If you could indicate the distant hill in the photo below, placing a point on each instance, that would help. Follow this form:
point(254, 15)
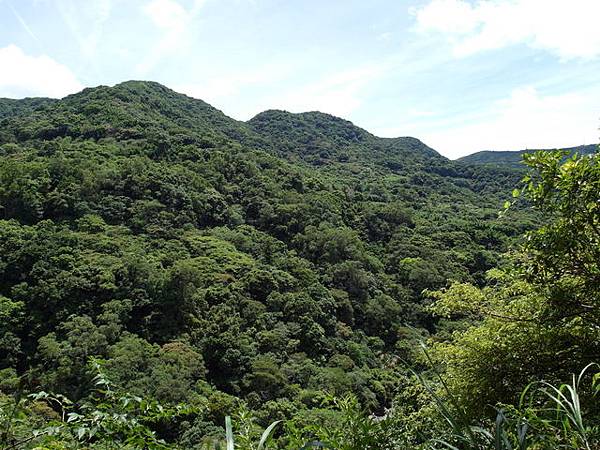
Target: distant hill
point(514, 158)
point(15, 107)
point(320, 139)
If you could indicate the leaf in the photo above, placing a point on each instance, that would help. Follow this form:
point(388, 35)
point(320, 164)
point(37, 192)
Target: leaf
point(266, 434)
point(80, 433)
point(71, 417)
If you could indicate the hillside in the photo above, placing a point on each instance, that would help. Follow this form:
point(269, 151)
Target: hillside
point(514, 159)
point(201, 257)
point(320, 139)
point(12, 107)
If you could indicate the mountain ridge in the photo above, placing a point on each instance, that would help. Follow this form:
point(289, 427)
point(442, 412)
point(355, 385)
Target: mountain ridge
point(514, 158)
point(143, 94)
point(314, 137)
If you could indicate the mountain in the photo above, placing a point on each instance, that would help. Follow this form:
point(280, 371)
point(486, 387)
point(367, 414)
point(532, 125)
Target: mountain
point(321, 139)
point(268, 261)
point(130, 110)
point(12, 107)
point(514, 159)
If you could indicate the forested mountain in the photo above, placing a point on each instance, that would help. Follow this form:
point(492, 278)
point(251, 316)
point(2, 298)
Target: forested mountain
point(215, 262)
point(12, 107)
point(321, 138)
point(514, 159)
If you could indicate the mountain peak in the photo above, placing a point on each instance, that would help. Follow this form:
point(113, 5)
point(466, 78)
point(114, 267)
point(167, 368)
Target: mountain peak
point(313, 125)
point(130, 110)
point(321, 138)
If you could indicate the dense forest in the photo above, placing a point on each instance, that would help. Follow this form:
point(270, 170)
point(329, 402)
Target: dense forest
point(173, 278)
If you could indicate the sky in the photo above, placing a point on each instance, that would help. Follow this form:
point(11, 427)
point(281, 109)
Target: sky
point(460, 75)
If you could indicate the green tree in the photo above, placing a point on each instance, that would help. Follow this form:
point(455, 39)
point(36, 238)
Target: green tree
point(538, 320)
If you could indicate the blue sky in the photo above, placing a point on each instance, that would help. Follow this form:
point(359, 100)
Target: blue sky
point(460, 75)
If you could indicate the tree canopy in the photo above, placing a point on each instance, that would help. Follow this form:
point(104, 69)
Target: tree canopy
point(182, 256)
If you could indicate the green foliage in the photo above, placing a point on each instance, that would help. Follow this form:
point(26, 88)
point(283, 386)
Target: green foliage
point(564, 254)
point(547, 417)
point(537, 319)
point(108, 419)
point(258, 265)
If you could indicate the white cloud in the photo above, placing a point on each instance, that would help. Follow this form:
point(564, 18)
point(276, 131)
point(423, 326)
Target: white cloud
point(214, 89)
point(174, 21)
point(23, 75)
point(447, 16)
point(526, 119)
point(568, 28)
point(86, 24)
point(338, 94)
point(167, 14)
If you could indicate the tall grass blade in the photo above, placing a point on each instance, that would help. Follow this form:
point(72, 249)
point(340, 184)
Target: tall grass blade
point(229, 433)
point(267, 434)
